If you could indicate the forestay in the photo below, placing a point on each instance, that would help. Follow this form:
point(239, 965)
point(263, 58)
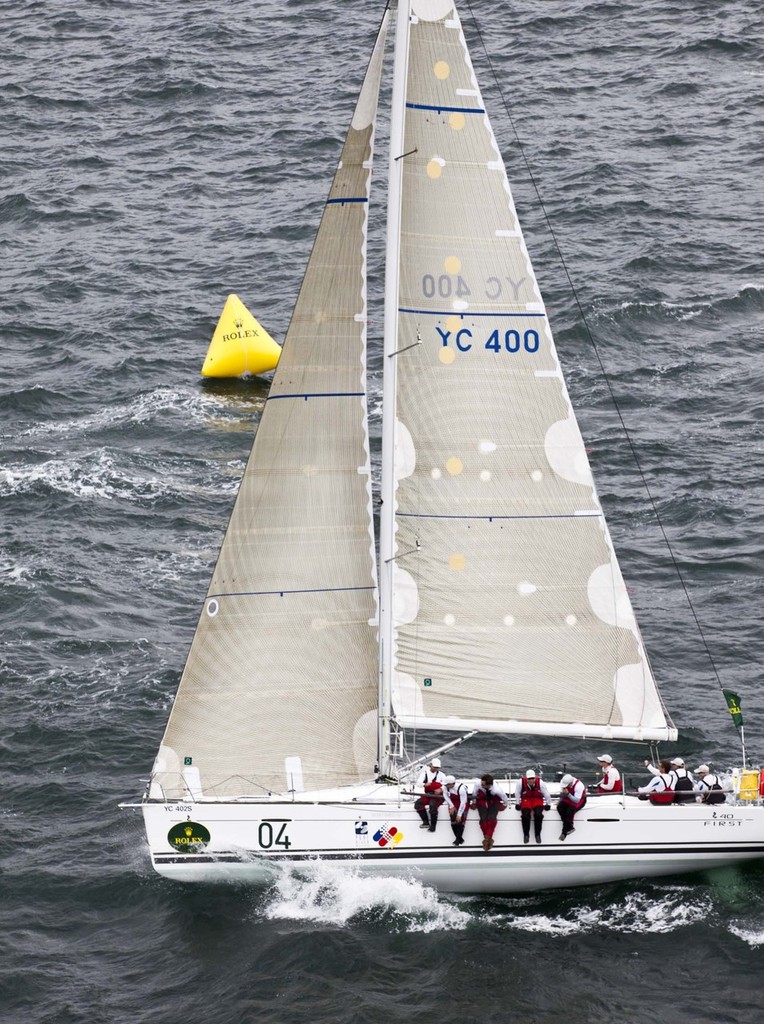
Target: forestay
point(509, 609)
point(279, 692)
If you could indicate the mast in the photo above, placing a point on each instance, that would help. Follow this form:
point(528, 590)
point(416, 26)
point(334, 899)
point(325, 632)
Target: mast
point(392, 263)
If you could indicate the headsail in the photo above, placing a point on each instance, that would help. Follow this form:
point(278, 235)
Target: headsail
point(279, 691)
point(509, 610)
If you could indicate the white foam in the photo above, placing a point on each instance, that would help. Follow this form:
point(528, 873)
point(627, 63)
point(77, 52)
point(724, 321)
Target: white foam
point(754, 937)
point(96, 474)
point(638, 913)
point(143, 408)
point(335, 895)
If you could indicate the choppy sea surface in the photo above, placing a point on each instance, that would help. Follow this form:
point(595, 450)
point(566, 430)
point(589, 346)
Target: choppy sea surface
point(156, 157)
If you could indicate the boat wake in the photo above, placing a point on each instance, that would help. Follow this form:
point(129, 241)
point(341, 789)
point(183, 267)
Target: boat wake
point(330, 895)
point(327, 894)
point(661, 911)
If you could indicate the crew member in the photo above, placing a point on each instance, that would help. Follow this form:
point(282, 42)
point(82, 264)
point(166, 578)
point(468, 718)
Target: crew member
point(660, 789)
point(611, 778)
point(457, 802)
point(708, 786)
point(489, 800)
point(431, 779)
point(684, 787)
point(572, 799)
point(532, 798)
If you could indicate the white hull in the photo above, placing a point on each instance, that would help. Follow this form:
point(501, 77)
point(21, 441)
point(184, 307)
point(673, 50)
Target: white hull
point(614, 839)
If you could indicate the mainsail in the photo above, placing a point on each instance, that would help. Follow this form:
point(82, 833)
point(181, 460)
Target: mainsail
point(509, 612)
point(279, 691)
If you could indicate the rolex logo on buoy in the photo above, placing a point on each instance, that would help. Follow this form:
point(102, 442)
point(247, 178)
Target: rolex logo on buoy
point(240, 345)
point(188, 837)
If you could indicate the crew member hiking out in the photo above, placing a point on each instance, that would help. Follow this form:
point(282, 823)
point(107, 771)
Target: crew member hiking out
point(431, 779)
point(532, 799)
point(457, 802)
point(489, 800)
point(572, 799)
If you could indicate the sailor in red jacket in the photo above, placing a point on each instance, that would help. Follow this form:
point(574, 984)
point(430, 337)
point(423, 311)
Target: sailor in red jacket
point(489, 800)
point(431, 779)
point(572, 799)
point(611, 777)
point(532, 798)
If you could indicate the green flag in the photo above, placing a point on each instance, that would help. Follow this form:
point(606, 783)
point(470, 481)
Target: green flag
point(733, 703)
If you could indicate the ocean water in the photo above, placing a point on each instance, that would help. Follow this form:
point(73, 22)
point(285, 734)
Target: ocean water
point(156, 158)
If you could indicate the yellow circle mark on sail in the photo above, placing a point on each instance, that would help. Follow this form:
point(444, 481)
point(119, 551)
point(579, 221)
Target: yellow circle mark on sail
point(446, 355)
point(454, 466)
point(452, 265)
point(457, 562)
point(434, 169)
point(456, 120)
point(453, 323)
point(442, 70)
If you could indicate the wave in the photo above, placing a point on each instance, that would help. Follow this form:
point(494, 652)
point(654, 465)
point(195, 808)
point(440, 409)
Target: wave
point(330, 895)
point(145, 408)
point(749, 298)
point(97, 474)
point(752, 936)
point(653, 912)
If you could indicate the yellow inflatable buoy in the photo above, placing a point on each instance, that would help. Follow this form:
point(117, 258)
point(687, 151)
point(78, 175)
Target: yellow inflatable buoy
point(239, 345)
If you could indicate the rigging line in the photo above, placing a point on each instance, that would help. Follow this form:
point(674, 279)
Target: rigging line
point(593, 343)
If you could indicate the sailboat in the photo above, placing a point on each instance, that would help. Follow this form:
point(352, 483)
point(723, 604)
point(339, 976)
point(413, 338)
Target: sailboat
point(496, 604)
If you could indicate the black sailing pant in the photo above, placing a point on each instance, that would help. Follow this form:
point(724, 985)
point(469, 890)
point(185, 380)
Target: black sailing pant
point(431, 804)
point(567, 812)
point(458, 829)
point(538, 819)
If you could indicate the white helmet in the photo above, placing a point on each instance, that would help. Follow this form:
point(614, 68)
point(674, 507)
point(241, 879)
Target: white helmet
point(530, 774)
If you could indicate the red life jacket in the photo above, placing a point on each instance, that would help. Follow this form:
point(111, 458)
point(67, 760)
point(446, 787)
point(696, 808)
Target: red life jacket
point(431, 789)
point(530, 796)
point(665, 796)
point(567, 796)
point(484, 798)
point(455, 796)
point(617, 788)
